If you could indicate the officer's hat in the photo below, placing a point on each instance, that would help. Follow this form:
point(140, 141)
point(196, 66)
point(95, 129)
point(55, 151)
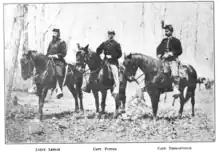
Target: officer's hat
point(57, 30)
point(111, 32)
point(168, 27)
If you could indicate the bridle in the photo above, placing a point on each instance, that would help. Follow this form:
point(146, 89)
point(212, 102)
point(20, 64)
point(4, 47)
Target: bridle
point(30, 61)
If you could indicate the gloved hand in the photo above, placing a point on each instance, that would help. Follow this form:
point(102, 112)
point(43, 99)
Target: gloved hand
point(108, 56)
point(102, 56)
point(159, 56)
point(170, 53)
point(53, 56)
point(165, 55)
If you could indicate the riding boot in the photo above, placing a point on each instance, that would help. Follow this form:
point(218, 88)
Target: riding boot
point(168, 77)
point(87, 88)
point(59, 91)
point(33, 89)
point(176, 86)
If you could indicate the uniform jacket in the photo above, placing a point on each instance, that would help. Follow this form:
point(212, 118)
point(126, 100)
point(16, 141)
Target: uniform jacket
point(110, 47)
point(58, 47)
point(173, 46)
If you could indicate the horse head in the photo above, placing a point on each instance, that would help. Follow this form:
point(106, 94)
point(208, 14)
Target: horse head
point(82, 55)
point(27, 64)
point(130, 67)
point(86, 56)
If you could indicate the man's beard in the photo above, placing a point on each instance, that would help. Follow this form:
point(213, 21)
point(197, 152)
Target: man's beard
point(54, 38)
point(168, 35)
point(110, 38)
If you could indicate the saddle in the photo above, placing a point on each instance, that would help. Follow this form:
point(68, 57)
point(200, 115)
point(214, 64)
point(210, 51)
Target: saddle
point(106, 75)
point(175, 68)
point(46, 75)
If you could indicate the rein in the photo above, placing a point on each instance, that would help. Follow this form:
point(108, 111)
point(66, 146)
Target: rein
point(29, 65)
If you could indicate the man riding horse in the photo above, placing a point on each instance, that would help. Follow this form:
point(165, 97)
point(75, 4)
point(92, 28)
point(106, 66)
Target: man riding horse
point(57, 51)
point(168, 51)
point(112, 52)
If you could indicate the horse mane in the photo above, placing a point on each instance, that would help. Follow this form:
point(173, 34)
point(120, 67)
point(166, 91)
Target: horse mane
point(148, 59)
point(148, 62)
point(39, 58)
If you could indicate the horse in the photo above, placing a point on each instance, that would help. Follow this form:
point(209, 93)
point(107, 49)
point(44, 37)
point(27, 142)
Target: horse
point(156, 82)
point(46, 77)
point(84, 55)
point(201, 80)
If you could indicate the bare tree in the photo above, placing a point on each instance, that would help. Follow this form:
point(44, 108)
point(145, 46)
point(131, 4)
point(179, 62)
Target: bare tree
point(42, 36)
point(143, 26)
point(25, 29)
point(18, 22)
point(196, 31)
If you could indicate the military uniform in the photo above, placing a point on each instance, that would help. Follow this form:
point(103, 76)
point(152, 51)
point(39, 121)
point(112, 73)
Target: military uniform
point(113, 49)
point(110, 47)
point(58, 48)
point(170, 44)
point(168, 51)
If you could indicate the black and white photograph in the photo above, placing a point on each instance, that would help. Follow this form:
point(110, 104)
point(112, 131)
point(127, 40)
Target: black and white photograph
point(109, 72)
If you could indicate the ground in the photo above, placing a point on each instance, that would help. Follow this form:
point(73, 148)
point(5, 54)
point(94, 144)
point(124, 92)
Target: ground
point(62, 125)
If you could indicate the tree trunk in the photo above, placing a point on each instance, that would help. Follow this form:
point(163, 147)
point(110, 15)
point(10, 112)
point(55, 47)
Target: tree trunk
point(196, 32)
point(16, 38)
point(42, 40)
point(143, 27)
point(25, 28)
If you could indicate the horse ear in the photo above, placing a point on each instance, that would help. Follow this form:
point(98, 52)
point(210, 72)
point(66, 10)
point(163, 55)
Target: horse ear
point(86, 49)
point(87, 46)
point(129, 56)
point(29, 52)
point(78, 46)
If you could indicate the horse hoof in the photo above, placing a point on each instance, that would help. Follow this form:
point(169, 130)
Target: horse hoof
point(96, 116)
point(115, 115)
point(193, 115)
point(102, 113)
point(81, 112)
point(180, 116)
point(76, 110)
point(123, 111)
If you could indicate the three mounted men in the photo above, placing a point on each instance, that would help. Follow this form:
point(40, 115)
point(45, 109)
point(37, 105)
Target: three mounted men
point(168, 51)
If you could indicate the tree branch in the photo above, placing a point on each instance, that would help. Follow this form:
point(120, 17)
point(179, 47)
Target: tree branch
point(52, 22)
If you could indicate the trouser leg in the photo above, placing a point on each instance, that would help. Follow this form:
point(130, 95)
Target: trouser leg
point(114, 69)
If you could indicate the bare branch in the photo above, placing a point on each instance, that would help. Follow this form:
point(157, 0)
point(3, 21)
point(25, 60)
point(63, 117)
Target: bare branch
point(58, 13)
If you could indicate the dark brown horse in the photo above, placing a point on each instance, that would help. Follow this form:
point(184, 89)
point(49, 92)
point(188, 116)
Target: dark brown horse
point(96, 64)
point(156, 82)
point(46, 79)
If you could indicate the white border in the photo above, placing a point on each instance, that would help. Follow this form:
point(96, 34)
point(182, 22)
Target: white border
point(121, 147)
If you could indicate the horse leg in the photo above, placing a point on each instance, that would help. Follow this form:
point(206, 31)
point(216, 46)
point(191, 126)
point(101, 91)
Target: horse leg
point(74, 93)
point(193, 102)
point(122, 100)
point(104, 94)
point(155, 97)
point(182, 102)
point(80, 95)
point(96, 96)
point(123, 104)
point(41, 102)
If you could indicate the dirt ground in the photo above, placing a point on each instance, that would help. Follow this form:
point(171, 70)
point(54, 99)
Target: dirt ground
point(62, 125)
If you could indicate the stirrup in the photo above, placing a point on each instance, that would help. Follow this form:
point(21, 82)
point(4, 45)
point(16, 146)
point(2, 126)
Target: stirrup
point(86, 89)
point(59, 95)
